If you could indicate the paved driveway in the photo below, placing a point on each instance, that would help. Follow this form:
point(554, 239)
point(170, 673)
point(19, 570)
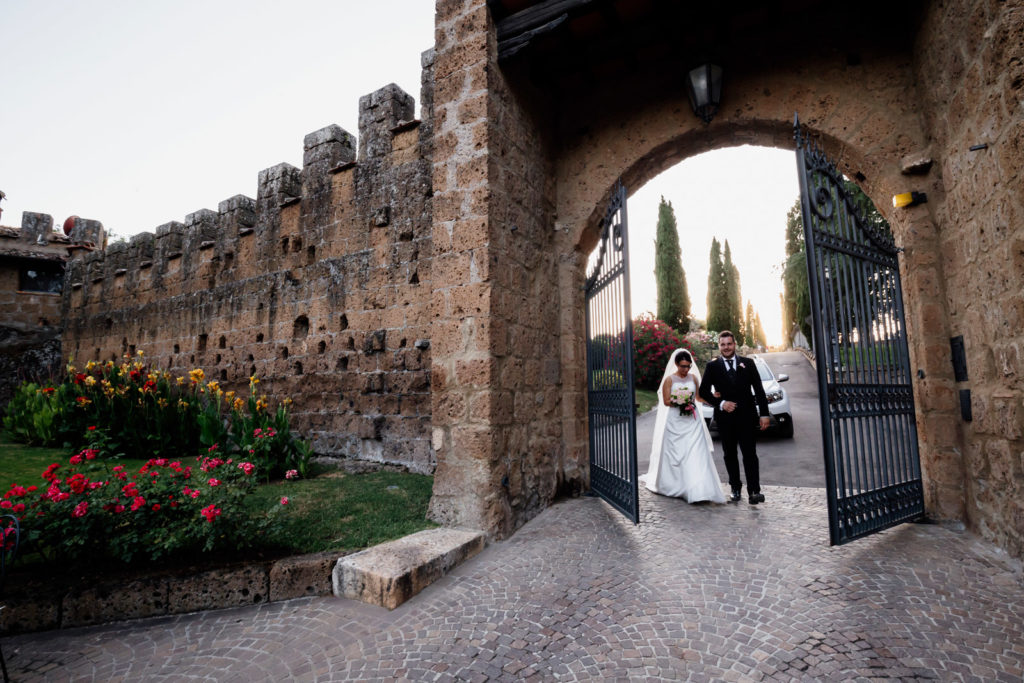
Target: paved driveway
point(702, 592)
point(786, 462)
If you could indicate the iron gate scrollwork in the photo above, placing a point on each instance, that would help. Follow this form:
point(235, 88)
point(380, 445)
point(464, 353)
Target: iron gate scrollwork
point(869, 434)
point(611, 412)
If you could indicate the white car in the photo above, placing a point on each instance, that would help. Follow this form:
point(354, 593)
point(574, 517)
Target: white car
point(778, 402)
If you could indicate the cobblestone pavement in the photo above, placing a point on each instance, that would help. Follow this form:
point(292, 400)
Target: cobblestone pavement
point(703, 592)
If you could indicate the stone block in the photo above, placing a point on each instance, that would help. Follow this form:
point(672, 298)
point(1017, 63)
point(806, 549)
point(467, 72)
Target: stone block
point(379, 112)
point(389, 574)
point(331, 145)
point(35, 226)
point(30, 611)
point(306, 575)
point(144, 597)
point(247, 585)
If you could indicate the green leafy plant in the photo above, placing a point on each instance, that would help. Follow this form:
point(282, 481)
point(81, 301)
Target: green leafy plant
point(125, 409)
point(32, 414)
point(653, 342)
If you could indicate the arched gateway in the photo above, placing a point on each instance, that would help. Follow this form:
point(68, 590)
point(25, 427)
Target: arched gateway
point(541, 107)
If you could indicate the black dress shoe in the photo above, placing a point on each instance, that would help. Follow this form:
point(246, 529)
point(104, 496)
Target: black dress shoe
point(756, 498)
point(735, 497)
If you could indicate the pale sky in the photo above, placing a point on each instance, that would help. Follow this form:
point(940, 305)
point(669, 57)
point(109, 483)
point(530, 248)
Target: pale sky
point(138, 113)
point(739, 194)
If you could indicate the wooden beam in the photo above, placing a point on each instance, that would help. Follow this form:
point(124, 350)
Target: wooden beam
point(510, 46)
point(537, 16)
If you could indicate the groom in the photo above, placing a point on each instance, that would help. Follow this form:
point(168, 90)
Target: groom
point(737, 387)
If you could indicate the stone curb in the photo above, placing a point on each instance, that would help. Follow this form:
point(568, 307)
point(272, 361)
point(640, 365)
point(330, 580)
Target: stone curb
point(390, 573)
point(35, 605)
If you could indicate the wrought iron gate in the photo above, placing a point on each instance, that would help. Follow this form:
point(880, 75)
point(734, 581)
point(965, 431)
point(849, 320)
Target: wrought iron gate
point(872, 468)
point(611, 413)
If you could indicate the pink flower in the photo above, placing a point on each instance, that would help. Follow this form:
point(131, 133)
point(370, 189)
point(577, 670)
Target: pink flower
point(138, 502)
point(284, 500)
point(247, 467)
point(119, 508)
point(210, 512)
point(6, 504)
point(156, 506)
point(80, 509)
point(76, 460)
point(291, 474)
point(91, 428)
point(213, 482)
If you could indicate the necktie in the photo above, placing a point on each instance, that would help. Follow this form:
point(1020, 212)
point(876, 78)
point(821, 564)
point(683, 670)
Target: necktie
point(732, 370)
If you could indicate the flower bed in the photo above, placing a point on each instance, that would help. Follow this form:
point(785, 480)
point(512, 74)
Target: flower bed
point(208, 448)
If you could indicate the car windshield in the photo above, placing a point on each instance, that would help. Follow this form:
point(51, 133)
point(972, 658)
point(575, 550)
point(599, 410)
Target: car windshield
point(762, 369)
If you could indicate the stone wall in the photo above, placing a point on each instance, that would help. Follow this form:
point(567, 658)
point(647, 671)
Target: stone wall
point(30, 321)
point(969, 61)
point(319, 287)
point(497, 391)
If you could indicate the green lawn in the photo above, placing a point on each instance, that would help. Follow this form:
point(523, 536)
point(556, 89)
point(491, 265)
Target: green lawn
point(330, 510)
point(343, 511)
point(645, 400)
point(20, 464)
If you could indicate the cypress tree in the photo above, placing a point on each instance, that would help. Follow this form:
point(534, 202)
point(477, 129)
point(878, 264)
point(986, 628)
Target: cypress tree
point(796, 297)
point(718, 303)
point(750, 331)
point(673, 299)
point(734, 310)
point(760, 338)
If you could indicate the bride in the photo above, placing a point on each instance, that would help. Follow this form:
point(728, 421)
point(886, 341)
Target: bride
point(682, 463)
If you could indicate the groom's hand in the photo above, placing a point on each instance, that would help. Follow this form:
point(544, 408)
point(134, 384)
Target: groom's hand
point(728, 406)
point(764, 423)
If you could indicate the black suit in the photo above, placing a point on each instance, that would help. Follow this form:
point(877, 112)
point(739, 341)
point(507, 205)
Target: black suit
point(740, 427)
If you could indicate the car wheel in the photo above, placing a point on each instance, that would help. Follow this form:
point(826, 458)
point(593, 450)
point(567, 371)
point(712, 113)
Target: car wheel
point(786, 429)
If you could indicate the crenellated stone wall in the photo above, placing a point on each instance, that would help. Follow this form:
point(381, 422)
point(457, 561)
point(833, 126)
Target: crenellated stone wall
point(319, 287)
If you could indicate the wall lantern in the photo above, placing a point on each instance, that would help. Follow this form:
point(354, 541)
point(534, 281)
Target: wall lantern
point(900, 201)
point(704, 85)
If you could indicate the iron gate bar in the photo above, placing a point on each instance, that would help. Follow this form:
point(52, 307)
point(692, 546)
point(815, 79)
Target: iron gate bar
point(869, 432)
point(610, 400)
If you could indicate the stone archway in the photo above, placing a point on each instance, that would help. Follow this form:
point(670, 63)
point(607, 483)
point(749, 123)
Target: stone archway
point(520, 174)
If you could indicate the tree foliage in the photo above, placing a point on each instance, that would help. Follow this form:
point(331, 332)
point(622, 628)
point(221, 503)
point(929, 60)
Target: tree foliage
point(673, 298)
point(718, 304)
point(796, 299)
point(796, 295)
point(734, 298)
point(760, 339)
point(749, 328)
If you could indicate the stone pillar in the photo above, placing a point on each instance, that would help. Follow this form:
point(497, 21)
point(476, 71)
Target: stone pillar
point(465, 484)
point(496, 374)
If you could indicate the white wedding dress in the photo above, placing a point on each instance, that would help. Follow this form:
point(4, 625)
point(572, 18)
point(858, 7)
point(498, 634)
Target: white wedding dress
point(685, 466)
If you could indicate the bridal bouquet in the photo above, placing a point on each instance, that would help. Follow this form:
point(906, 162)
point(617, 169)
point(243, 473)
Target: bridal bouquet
point(683, 397)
